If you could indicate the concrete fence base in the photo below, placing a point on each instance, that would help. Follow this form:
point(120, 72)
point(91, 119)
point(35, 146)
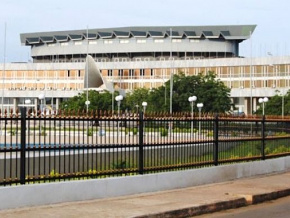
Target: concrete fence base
point(51, 193)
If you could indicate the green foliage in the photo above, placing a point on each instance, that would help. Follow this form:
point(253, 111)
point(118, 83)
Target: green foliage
point(102, 101)
point(274, 105)
point(90, 132)
point(209, 90)
point(121, 165)
point(163, 132)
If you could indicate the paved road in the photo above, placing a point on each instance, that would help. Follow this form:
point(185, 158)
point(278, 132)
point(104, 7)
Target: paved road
point(274, 209)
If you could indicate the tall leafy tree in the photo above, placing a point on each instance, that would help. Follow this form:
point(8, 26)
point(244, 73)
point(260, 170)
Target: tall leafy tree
point(274, 105)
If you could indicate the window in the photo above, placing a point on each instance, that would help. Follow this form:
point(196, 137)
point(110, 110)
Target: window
point(142, 72)
point(152, 72)
point(158, 40)
point(92, 42)
point(63, 43)
point(68, 73)
point(176, 40)
point(79, 73)
point(110, 72)
point(131, 72)
point(120, 73)
point(78, 43)
point(124, 41)
point(194, 40)
point(51, 44)
point(108, 42)
point(141, 41)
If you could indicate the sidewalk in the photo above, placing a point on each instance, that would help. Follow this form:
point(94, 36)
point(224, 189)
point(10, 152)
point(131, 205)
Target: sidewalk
point(175, 203)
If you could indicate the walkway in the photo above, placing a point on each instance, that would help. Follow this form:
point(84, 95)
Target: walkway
point(175, 203)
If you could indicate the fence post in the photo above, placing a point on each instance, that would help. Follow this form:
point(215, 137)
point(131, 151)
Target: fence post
point(216, 140)
point(23, 146)
point(141, 161)
point(263, 138)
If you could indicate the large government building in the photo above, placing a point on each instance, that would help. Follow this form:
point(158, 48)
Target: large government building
point(134, 57)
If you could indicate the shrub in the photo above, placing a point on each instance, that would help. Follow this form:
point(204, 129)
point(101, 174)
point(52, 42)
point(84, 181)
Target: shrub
point(164, 132)
point(135, 131)
point(90, 132)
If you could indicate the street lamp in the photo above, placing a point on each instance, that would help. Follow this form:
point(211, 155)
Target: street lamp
point(144, 104)
point(263, 101)
point(118, 98)
point(41, 97)
point(87, 103)
point(199, 106)
point(192, 100)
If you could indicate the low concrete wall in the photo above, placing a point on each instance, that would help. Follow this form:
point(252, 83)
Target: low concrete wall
point(51, 193)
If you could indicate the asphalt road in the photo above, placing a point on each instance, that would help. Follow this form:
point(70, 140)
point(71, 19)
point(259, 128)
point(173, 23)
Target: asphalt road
point(272, 209)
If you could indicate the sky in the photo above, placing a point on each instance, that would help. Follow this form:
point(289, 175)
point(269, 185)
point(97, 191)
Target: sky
point(271, 17)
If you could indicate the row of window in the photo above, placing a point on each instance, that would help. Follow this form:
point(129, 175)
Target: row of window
point(122, 41)
point(131, 72)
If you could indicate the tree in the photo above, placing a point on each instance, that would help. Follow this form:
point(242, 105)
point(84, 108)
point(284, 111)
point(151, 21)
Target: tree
point(211, 92)
point(274, 105)
point(102, 101)
point(134, 100)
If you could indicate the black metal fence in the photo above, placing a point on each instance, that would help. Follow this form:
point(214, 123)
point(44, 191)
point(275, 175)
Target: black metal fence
point(69, 146)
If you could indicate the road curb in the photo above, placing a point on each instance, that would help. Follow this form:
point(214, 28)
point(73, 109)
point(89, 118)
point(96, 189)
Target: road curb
point(199, 210)
point(244, 200)
point(260, 198)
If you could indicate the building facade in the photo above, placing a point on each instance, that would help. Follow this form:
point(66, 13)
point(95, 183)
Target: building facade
point(135, 57)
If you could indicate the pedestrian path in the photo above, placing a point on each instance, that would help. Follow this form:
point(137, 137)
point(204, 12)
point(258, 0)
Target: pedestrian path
point(174, 203)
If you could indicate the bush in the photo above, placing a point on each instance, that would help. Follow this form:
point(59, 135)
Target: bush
point(164, 132)
point(90, 132)
point(135, 131)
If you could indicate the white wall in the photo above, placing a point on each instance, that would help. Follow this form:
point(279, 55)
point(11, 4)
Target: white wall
point(51, 193)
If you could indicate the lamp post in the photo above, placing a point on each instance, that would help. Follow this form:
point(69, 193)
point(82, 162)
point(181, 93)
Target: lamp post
point(283, 103)
point(27, 102)
point(199, 106)
point(144, 104)
point(87, 103)
point(118, 98)
point(192, 100)
point(41, 97)
point(263, 101)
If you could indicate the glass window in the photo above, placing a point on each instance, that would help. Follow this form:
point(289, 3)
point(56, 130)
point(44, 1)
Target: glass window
point(158, 40)
point(141, 41)
point(93, 42)
point(108, 42)
point(176, 40)
point(63, 43)
point(124, 41)
point(78, 43)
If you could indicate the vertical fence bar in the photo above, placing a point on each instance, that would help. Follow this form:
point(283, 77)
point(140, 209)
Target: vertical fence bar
point(263, 138)
point(23, 144)
point(216, 139)
point(141, 161)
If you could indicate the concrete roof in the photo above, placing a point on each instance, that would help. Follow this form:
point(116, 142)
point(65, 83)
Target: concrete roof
point(229, 32)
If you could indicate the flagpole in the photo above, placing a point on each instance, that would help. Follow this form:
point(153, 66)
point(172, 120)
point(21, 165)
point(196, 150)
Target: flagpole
point(3, 72)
